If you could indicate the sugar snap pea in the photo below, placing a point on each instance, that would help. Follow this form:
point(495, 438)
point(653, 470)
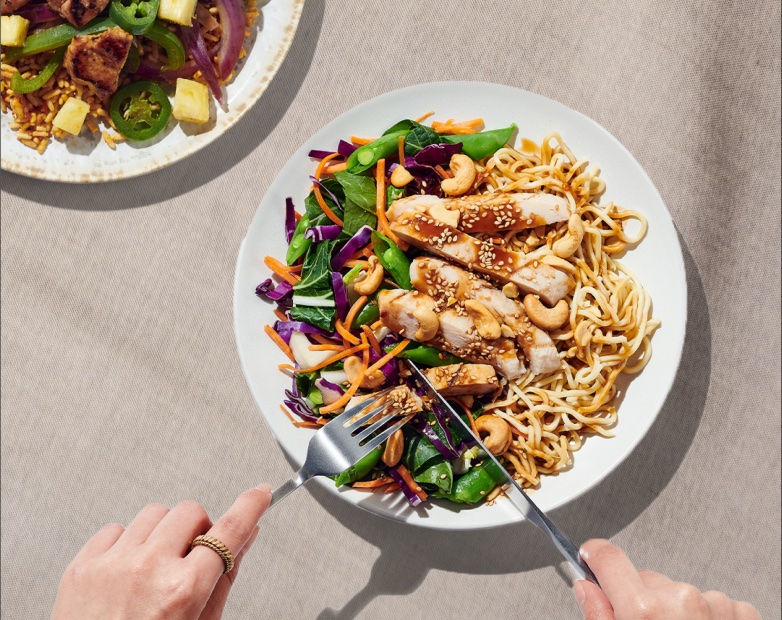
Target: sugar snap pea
point(482, 144)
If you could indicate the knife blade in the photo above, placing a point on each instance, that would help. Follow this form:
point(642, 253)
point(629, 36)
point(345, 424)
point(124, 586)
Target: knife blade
point(516, 493)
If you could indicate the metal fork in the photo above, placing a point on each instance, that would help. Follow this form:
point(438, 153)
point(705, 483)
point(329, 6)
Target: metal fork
point(338, 445)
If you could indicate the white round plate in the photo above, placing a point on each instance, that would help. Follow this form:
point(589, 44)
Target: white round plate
point(88, 159)
point(657, 261)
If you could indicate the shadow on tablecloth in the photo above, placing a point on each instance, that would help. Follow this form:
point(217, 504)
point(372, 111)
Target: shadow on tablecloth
point(202, 167)
point(407, 554)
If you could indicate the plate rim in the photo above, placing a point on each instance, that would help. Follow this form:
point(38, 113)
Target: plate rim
point(14, 166)
point(679, 335)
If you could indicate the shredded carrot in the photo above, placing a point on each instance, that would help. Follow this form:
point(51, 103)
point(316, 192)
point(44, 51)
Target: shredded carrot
point(327, 362)
point(321, 339)
point(279, 342)
point(391, 488)
point(361, 141)
point(372, 340)
point(367, 252)
point(332, 168)
point(380, 178)
point(388, 356)
point(298, 423)
point(452, 127)
point(373, 484)
point(297, 216)
point(319, 196)
point(326, 347)
point(401, 147)
point(423, 117)
point(354, 309)
point(295, 268)
point(280, 315)
point(342, 331)
point(376, 324)
point(345, 398)
point(281, 270)
point(323, 421)
point(353, 263)
point(411, 483)
point(444, 174)
point(470, 418)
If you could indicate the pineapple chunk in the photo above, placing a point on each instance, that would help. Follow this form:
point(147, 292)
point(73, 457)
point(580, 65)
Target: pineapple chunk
point(191, 102)
point(13, 30)
point(177, 11)
point(71, 116)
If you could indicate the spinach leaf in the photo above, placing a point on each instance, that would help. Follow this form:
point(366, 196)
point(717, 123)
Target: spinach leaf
point(356, 217)
point(419, 137)
point(319, 317)
point(420, 451)
point(311, 205)
point(401, 126)
point(315, 286)
point(394, 193)
point(439, 474)
point(361, 189)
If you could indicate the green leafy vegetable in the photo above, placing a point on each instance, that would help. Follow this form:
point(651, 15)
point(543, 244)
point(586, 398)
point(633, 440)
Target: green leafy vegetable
point(394, 193)
point(419, 137)
point(311, 205)
point(319, 317)
point(438, 474)
point(356, 217)
point(419, 453)
point(405, 125)
point(360, 189)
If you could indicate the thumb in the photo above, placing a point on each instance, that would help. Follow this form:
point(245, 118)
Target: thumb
point(593, 601)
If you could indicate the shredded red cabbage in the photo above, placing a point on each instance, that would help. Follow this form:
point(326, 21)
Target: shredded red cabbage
point(233, 21)
point(437, 154)
point(340, 294)
point(298, 405)
point(346, 148)
point(425, 179)
point(318, 154)
point(419, 424)
point(354, 244)
point(409, 493)
point(327, 232)
point(282, 293)
point(284, 329)
point(193, 39)
point(290, 219)
point(441, 415)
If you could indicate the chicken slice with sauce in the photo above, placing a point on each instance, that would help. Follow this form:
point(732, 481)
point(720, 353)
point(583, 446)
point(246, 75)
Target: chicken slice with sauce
point(78, 12)
point(406, 313)
point(443, 281)
point(461, 379)
point(9, 6)
point(487, 213)
point(436, 237)
point(96, 60)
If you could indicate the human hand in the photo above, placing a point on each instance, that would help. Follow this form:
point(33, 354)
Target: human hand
point(628, 594)
point(147, 571)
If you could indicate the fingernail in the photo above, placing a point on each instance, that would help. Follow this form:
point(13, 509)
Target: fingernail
point(252, 538)
point(579, 592)
point(264, 488)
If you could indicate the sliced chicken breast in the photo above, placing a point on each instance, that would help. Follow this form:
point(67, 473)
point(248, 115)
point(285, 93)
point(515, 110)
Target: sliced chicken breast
point(404, 312)
point(460, 379)
point(487, 213)
point(531, 276)
point(442, 280)
point(9, 6)
point(78, 12)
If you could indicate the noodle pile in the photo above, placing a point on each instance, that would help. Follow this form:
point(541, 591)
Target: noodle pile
point(609, 329)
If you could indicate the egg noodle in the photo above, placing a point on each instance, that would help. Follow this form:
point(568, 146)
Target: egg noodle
point(610, 323)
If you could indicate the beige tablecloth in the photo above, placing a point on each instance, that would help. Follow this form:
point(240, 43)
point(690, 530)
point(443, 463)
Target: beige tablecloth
point(118, 351)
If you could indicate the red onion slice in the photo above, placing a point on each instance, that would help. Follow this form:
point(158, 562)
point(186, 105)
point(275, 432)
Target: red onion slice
point(193, 39)
point(233, 21)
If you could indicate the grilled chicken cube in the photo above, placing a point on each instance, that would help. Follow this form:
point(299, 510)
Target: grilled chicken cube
point(456, 332)
point(78, 12)
point(9, 6)
point(460, 379)
point(446, 282)
point(427, 233)
point(487, 213)
point(96, 60)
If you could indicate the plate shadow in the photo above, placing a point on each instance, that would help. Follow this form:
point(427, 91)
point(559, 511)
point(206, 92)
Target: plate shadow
point(407, 554)
point(202, 167)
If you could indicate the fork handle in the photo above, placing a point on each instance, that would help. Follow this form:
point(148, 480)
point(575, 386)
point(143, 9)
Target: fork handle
point(287, 488)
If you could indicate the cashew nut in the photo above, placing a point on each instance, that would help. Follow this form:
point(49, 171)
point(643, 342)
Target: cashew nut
point(499, 437)
point(368, 281)
point(447, 216)
point(428, 323)
point(464, 173)
point(543, 317)
point(485, 323)
point(567, 245)
point(353, 366)
point(510, 290)
point(506, 331)
point(395, 446)
point(400, 177)
point(559, 263)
